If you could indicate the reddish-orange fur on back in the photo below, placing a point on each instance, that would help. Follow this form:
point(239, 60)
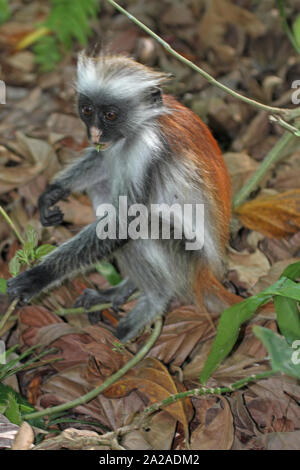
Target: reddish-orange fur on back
point(190, 138)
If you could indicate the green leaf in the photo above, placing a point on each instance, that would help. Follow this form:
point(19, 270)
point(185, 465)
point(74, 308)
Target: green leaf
point(288, 318)
point(229, 324)
point(32, 236)
point(43, 250)
point(292, 271)
point(284, 358)
point(3, 285)
point(4, 11)
point(296, 29)
point(12, 411)
point(15, 405)
point(109, 272)
point(290, 289)
point(14, 265)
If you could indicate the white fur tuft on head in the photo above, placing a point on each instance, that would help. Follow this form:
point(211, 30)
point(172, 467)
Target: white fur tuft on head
point(118, 75)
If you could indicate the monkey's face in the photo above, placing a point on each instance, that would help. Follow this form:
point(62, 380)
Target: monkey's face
point(109, 119)
point(106, 119)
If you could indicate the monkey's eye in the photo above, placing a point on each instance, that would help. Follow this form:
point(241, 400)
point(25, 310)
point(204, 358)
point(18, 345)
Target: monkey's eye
point(87, 110)
point(110, 115)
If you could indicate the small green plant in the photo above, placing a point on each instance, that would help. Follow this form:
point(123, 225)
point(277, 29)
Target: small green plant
point(286, 295)
point(12, 404)
point(29, 253)
point(12, 366)
point(67, 21)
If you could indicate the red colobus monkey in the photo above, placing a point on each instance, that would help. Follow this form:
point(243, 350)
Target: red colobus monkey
point(150, 148)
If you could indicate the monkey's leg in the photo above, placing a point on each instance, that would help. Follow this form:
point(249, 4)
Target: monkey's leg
point(144, 312)
point(81, 251)
point(116, 295)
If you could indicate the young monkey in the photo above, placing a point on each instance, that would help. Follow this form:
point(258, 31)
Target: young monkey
point(150, 148)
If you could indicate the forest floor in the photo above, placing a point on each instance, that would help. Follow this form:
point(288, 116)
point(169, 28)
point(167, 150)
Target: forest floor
point(243, 45)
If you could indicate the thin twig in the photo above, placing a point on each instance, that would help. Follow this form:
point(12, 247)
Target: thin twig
point(95, 308)
point(112, 438)
point(269, 161)
point(270, 109)
point(197, 392)
point(107, 383)
point(8, 313)
point(12, 225)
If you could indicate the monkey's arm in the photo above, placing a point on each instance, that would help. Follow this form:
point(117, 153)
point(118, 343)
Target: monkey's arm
point(77, 177)
point(80, 252)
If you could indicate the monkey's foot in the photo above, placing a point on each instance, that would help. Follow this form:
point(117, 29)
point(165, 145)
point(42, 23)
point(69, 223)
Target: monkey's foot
point(88, 299)
point(141, 315)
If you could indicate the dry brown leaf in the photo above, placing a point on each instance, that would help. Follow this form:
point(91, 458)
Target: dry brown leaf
point(8, 432)
point(240, 167)
point(218, 15)
point(280, 250)
point(72, 383)
point(280, 440)
point(178, 15)
point(245, 427)
point(37, 325)
point(217, 431)
point(24, 437)
point(183, 329)
point(153, 379)
point(106, 359)
point(274, 216)
point(249, 266)
point(158, 435)
point(272, 276)
point(273, 404)
point(67, 125)
point(39, 156)
point(288, 173)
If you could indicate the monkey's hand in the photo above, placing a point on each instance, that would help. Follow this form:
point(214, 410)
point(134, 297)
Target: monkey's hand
point(28, 284)
point(54, 193)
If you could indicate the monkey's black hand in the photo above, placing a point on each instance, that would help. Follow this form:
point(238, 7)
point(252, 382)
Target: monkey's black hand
point(50, 217)
point(28, 284)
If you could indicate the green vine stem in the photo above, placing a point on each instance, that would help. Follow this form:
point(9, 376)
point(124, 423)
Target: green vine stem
point(285, 25)
point(95, 308)
point(197, 392)
point(11, 224)
point(8, 313)
point(107, 383)
point(272, 157)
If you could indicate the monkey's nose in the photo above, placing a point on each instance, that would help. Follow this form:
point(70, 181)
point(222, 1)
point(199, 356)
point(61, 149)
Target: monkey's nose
point(95, 134)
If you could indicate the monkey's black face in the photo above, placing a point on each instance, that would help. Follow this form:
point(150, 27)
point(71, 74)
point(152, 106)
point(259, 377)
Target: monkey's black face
point(106, 120)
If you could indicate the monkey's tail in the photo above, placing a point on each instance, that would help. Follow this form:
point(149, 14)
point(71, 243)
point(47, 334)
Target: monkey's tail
point(210, 294)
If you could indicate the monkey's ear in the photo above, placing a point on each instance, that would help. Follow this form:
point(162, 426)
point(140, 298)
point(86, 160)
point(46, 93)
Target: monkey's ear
point(156, 95)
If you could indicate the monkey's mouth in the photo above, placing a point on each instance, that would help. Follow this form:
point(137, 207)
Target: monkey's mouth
point(102, 146)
